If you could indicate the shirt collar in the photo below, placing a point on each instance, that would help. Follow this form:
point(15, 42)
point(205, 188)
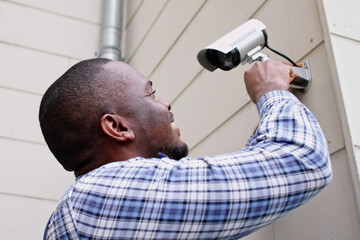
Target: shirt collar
point(162, 155)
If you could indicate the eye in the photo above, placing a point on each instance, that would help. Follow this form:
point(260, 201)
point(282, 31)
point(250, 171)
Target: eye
point(153, 94)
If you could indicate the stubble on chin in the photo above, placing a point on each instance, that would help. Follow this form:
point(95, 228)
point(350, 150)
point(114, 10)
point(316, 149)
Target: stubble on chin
point(176, 152)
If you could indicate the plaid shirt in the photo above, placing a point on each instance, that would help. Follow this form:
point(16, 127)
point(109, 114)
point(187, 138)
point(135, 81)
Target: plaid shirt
point(228, 196)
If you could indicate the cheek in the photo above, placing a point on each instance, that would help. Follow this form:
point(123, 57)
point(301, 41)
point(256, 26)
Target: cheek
point(157, 121)
point(162, 124)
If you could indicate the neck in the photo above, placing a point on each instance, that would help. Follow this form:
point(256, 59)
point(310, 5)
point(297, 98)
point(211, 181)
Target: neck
point(110, 155)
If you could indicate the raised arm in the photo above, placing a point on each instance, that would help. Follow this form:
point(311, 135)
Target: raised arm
point(284, 164)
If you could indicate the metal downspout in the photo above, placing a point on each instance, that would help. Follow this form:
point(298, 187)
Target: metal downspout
point(111, 30)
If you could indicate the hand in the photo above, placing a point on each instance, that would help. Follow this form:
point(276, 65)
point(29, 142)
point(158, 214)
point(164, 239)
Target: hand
point(267, 76)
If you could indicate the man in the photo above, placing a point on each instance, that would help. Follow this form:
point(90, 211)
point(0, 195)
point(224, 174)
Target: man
point(102, 120)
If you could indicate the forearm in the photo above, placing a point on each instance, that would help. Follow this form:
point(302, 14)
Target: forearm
point(288, 128)
point(291, 150)
point(284, 164)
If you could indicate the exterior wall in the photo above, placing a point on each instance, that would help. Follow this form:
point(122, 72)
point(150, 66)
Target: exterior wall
point(341, 22)
point(39, 40)
point(213, 110)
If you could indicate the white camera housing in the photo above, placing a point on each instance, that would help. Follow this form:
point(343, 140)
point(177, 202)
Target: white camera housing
point(238, 46)
point(243, 45)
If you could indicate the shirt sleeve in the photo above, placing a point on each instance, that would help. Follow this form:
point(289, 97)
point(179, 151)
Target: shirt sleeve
point(284, 164)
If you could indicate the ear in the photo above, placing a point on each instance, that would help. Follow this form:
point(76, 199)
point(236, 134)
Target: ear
point(115, 127)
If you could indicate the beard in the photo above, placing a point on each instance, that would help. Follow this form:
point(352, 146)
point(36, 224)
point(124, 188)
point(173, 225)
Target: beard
point(175, 152)
point(172, 150)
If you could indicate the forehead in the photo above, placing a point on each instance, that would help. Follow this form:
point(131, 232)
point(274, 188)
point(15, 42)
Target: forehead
point(126, 73)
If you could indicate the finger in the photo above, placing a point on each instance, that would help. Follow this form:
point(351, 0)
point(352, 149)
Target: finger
point(293, 74)
point(290, 64)
point(286, 63)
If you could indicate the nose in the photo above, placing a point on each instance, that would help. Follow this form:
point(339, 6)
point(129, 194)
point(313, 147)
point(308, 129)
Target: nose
point(165, 103)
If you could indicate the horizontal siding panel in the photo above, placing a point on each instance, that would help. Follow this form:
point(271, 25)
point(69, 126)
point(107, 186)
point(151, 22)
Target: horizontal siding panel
point(208, 102)
point(139, 26)
point(24, 218)
point(265, 233)
point(330, 215)
point(19, 113)
point(131, 8)
point(293, 27)
point(47, 32)
point(180, 65)
point(230, 136)
point(34, 71)
point(168, 27)
point(321, 99)
point(81, 9)
point(32, 170)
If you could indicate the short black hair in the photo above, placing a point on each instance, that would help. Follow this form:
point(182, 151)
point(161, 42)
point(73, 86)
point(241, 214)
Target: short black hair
point(71, 109)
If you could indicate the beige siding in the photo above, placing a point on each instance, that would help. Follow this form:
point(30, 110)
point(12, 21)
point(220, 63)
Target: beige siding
point(293, 26)
point(210, 100)
point(179, 67)
point(131, 8)
point(169, 26)
point(39, 40)
point(48, 32)
point(231, 135)
point(140, 24)
point(21, 110)
point(32, 171)
point(78, 9)
point(29, 70)
point(321, 98)
point(213, 109)
point(24, 218)
point(266, 233)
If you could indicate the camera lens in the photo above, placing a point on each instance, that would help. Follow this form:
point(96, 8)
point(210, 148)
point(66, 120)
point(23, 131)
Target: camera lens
point(224, 61)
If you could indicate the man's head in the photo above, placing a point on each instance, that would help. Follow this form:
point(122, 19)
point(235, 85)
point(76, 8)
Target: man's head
point(102, 111)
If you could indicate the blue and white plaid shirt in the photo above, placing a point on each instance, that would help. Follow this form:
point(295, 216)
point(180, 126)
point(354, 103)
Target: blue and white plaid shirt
point(228, 196)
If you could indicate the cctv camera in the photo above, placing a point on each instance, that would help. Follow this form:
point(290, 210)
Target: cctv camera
point(241, 45)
